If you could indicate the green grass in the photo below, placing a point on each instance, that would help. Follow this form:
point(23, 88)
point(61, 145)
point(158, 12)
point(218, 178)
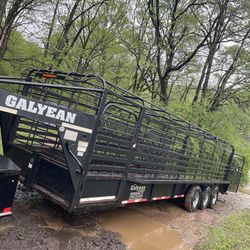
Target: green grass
point(244, 190)
point(234, 233)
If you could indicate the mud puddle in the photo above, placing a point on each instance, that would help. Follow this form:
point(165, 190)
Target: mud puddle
point(38, 224)
point(141, 232)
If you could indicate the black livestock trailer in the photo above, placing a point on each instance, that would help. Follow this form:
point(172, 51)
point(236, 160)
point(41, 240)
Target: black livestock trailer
point(87, 144)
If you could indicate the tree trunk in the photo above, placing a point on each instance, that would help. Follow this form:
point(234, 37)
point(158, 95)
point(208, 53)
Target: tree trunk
point(7, 27)
point(51, 29)
point(215, 102)
point(4, 36)
point(183, 97)
point(163, 89)
point(64, 36)
point(210, 60)
point(63, 42)
point(2, 12)
point(218, 34)
point(198, 89)
point(136, 80)
point(219, 95)
point(79, 64)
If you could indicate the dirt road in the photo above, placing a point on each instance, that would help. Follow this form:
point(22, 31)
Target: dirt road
point(38, 224)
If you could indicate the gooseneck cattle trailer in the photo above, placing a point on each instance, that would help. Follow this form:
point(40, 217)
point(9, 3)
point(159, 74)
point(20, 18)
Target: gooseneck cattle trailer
point(87, 144)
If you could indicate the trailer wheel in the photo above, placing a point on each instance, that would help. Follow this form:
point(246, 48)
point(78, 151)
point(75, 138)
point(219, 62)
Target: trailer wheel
point(214, 197)
point(193, 198)
point(205, 198)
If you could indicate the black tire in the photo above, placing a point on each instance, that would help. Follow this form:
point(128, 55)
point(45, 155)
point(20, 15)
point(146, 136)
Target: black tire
point(214, 197)
point(193, 198)
point(205, 198)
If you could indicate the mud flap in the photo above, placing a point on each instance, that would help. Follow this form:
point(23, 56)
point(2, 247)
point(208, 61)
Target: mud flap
point(235, 173)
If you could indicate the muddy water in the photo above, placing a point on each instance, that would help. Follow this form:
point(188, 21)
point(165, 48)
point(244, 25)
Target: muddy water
point(141, 232)
point(39, 224)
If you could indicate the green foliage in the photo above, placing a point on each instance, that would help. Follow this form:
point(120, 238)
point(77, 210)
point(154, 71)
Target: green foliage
point(229, 123)
point(232, 234)
point(20, 54)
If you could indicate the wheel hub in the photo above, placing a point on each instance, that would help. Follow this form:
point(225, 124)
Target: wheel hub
point(205, 198)
point(214, 197)
point(196, 199)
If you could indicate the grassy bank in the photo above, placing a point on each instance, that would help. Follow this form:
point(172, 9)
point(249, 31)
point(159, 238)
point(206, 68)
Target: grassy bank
point(234, 233)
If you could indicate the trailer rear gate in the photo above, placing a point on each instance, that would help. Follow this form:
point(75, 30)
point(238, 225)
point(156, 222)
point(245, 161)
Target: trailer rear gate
point(88, 144)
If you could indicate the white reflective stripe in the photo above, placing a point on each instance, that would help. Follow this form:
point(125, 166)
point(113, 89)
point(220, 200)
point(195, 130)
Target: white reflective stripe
point(101, 198)
point(8, 110)
point(134, 201)
point(7, 213)
point(161, 198)
point(68, 125)
point(179, 196)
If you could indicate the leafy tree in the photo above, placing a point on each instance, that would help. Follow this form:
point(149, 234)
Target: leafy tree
point(12, 15)
point(20, 54)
